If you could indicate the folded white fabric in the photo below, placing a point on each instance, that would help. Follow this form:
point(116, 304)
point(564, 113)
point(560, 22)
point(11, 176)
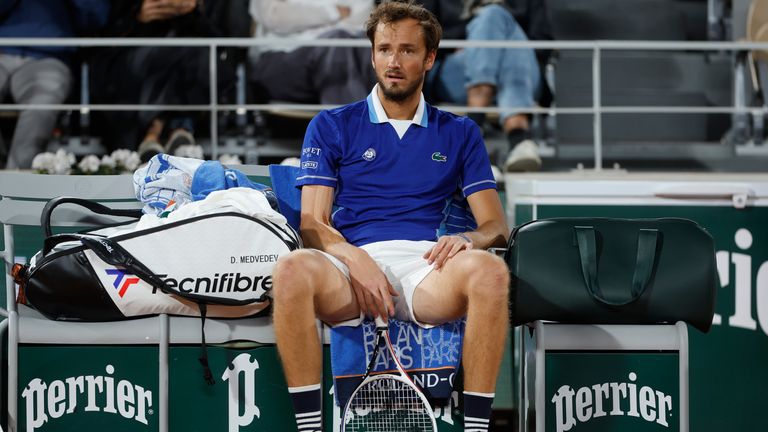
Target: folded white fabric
point(243, 200)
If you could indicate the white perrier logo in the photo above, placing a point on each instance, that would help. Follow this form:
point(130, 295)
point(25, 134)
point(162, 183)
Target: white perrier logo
point(610, 399)
point(52, 400)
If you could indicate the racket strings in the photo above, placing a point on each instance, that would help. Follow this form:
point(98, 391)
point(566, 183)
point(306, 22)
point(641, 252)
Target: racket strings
point(387, 405)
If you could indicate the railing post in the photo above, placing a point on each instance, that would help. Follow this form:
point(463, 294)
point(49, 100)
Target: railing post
point(596, 105)
point(213, 77)
point(163, 347)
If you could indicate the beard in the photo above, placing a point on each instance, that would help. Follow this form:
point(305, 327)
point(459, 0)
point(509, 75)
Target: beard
point(399, 93)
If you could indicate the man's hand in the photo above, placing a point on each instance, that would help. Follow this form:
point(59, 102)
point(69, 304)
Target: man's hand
point(158, 10)
point(446, 247)
point(372, 289)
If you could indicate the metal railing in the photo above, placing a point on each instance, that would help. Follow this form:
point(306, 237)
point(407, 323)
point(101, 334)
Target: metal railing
point(597, 49)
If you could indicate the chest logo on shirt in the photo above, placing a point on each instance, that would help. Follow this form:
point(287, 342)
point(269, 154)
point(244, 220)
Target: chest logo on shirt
point(436, 156)
point(369, 154)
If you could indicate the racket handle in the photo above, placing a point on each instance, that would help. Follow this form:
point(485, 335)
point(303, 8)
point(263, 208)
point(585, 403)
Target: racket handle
point(380, 323)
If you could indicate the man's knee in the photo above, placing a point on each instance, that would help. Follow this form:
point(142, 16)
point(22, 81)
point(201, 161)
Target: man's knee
point(495, 16)
point(487, 274)
point(294, 273)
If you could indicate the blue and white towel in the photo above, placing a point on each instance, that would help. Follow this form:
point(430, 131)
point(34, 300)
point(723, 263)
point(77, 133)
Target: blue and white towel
point(213, 176)
point(430, 356)
point(166, 179)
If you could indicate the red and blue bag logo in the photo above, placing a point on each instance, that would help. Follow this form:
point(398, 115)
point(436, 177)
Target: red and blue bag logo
point(122, 282)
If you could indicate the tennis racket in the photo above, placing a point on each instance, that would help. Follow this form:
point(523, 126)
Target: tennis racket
point(387, 402)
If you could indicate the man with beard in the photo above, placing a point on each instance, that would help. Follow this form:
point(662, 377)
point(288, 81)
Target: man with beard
point(391, 165)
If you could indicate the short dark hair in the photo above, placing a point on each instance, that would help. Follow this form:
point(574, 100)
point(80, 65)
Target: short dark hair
point(394, 11)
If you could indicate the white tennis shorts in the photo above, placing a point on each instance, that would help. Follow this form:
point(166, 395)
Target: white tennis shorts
point(403, 263)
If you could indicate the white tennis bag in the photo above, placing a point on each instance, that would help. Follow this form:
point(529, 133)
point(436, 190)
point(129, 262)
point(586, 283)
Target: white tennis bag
point(209, 258)
point(217, 263)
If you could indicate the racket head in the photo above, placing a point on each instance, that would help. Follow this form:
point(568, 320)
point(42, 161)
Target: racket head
point(390, 403)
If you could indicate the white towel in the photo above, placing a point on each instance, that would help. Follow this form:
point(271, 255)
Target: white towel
point(243, 200)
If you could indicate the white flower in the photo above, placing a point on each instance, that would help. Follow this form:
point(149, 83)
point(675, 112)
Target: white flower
point(125, 160)
point(228, 159)
point(108, 161)
point(43, 162)
point(131, 162)
point(292, 161)
point(62, 162)
point(189, 151)
point(120, 155)
point(89, 164)
point(66, 156)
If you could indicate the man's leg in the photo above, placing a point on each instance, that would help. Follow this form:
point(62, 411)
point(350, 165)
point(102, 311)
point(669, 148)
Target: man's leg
point(341, 75)
point(513, 73)
point(307, 286)
point(283, 76)
point(43, 81)
point(474, 284)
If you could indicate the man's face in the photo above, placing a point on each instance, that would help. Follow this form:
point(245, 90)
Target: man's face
point(400, 58)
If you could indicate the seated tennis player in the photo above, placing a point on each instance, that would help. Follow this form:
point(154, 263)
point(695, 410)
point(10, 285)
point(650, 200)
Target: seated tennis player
point(390, 165)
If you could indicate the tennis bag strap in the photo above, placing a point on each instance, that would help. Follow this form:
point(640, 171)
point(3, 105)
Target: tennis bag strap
point(112, 253)
point(45, 216)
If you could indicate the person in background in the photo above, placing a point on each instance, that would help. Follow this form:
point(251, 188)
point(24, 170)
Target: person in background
point(505, 77)
point(41, 74)
point(310, 74)
point(176, 75)
point(390, 164)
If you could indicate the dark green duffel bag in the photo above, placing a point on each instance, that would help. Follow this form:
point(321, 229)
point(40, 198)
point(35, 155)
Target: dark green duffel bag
point(612, 271)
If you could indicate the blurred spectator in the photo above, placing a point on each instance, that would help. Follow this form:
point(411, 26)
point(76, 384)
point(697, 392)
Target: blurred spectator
point(158, 75)
point(40, 74)
point(508, 77)
point(310, 74)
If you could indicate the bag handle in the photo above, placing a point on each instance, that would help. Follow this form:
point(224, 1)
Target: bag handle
point(45, 217)
point(646, 255)
point(112, 253)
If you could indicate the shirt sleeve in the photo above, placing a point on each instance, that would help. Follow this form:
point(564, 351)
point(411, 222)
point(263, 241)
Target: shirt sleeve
point(320, 153)
point(476, 174)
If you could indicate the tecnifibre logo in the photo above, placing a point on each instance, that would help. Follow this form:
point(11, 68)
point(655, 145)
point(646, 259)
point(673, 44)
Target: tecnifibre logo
point(121, 282)
point(219, 283)
point(100, 393)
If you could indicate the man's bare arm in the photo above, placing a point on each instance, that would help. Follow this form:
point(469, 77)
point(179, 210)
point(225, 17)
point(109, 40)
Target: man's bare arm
point(372, 290)
point(491, 229)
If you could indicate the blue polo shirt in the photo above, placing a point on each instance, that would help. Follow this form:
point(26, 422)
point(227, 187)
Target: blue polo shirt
point(390, 187)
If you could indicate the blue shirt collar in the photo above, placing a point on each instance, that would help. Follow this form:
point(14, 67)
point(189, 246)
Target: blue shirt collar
point(377, 114)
